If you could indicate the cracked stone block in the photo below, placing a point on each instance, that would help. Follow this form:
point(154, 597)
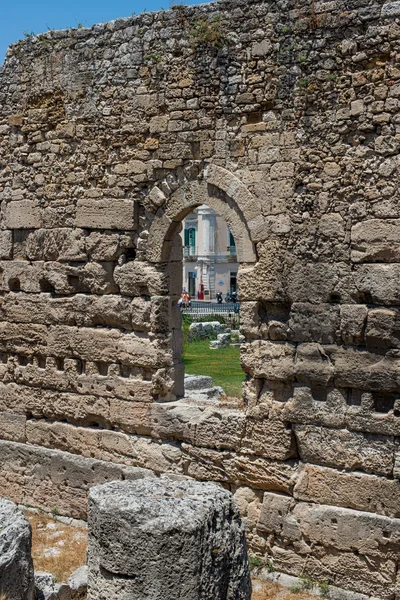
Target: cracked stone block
point(16, 566)
point(166, 540)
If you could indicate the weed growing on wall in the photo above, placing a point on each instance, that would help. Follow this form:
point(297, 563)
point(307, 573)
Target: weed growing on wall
point(207, 32)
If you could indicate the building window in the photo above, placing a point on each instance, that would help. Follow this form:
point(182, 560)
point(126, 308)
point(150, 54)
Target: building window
point(190, 241)
point(233, 281)
point(192, 284)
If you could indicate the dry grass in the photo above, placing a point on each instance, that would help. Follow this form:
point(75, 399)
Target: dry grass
point(268, 590)
point(70, 543)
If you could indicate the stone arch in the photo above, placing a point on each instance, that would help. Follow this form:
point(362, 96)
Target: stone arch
point(220, 190)
point(172, 200)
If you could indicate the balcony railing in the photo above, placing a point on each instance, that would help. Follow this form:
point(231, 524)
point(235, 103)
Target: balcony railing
point(193, 251)
point(189, 251)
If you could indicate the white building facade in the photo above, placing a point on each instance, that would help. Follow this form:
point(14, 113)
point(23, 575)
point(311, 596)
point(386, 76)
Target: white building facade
point(209, 255)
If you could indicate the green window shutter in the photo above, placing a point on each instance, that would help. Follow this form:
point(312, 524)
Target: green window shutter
point(187, 237)
point(192, 237)
point(231, 240)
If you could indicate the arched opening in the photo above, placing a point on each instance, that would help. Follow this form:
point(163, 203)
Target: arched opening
point(210, 308)
point(172, 243)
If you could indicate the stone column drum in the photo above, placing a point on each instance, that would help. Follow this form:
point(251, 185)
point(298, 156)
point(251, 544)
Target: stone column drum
point(16, 566)
point(161, 539)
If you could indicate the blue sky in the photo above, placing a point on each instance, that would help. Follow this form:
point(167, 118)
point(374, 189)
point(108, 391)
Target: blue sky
point(19, 16)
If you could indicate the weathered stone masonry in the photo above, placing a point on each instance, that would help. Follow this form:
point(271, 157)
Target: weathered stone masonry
point(284, 117)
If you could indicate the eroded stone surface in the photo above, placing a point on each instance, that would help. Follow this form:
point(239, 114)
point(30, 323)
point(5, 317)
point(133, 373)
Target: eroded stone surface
point(16, 566)
point(166, 540)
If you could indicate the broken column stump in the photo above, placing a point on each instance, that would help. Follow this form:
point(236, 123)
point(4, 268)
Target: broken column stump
point(161, 539)
point(16, 566)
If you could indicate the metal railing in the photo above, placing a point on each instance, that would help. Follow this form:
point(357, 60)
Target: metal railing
point(189, 251)
point(200, 307)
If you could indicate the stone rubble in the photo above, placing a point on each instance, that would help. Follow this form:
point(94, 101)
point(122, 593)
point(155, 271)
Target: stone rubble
point(201, 388)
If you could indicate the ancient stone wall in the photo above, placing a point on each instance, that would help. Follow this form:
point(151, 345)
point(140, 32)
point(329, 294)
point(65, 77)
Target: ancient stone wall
point(283, 117)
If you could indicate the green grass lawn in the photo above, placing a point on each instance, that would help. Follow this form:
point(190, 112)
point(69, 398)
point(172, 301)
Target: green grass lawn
point(222, 364)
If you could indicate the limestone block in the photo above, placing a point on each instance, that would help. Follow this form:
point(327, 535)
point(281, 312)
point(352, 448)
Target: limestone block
point(320, 282)
point(332, 169)
point(272, 360)
point(342, 535)
point(106, 246)
point(270, 438)
point(261, 48)
point(22, 214)
point(357, 368)
point(249, 503)
point(360, 491)
point(264, 281)
point(63, 436)
point(249, 319)
point(80, 409)
point(352, 323)
point(159, 124)
point(56, 244)
point(12, 426)
point(6, 244)
point(129, 525)
point(344, 449)
point(390, 9)
point(239, 469)
point(345, 570)
point(356, 530)
point(376, 240)
point(101, 345)
point(210, 427)
point(16, 275)
point(197, 382)
point(50, 478)
point(274, 512)
point(396, 469)
point(332, 226)
point(107, 445)
point(383, 328)
point(232, 185)
point(23, 338)
point(379, 282)
point(106, 311)
point(137, 278)
point(282, 170)
point(140, 309)
point(316, 405)
point(313, 365)
point(131, 167)
point(97, 278)
point(357, 108)
point(131, 417)
point(81, 309)
point(16, 566)
point(264, 228)
point(113, 213)
point(78, 582)
point(311, 323)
